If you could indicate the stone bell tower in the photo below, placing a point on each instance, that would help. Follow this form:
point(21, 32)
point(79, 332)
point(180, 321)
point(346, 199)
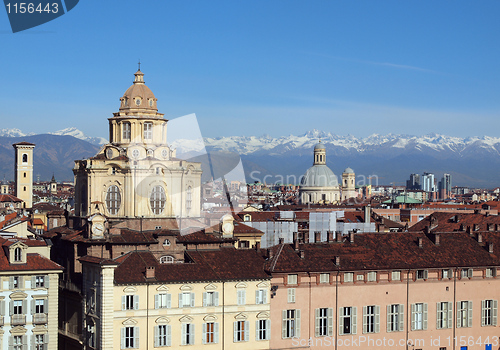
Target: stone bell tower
point(23, 172)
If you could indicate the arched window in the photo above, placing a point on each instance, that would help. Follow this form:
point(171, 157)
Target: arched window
point(157, 200)
point(189, 199)
point(167, 259)
point(113, 199)
point(25, 158)
point(18, 254)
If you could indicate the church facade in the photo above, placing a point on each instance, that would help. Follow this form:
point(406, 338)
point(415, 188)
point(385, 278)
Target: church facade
point(136, 175)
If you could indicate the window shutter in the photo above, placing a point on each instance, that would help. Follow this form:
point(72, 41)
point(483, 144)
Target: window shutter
point(21, 282)
point(283, 324)
point(183, 334)
point(401, 317)
point(235, 331)
point(388, 318)
point(2, 308)
point(204, 299)
point(25, 307)
point(268, 330)
point(122, 337)
point(330, 321)
point(257, 333)
point(459, 323)
point(413, 316)
point(439, 315)
point(123, 302)
point(469, 313)
point(483, 313)
point(469, 273)
point(180, 303)
point(257, 296)
point(157, 305)
point(247, 330)
point(192, 300)
point(450, 314)
point(169, 335)
point(11, 282)
point(46, 281)
point(11, 308)
point(25, 342)
point(32, 341)
point(32, 306)
point(316, 322)
point(46, 306)
point(136, 337)
point(377, 319)
point(424, 321)
point(341, 321)
point(354, 319)
point(216, 298)
point(33, 282)
point(365, 319)
point(204, 330)
point(169, 300)
point(157, 334)
point(46, 338)
point(297, 323)
point(11, 343)
point(216, 332)
point(136, 302)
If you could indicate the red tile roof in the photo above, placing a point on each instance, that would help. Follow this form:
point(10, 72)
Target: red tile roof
point(9, 198)
point(34, 261)
point(203, 238)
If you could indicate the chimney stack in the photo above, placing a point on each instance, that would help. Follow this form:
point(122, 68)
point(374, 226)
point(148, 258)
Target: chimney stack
point(257, 246)
point(479, 238)
point(490, 248)
point(306, 236)
point(337, 261)
point(302, 254)
point(281, 240)
point(436, 239)
point(317, 236)
point(368, 213)
point(351, 236)
point(420, 242)
point(295, 242)
point(329, 236)
point(338, 236)
point(476, 227)
point(150, 272)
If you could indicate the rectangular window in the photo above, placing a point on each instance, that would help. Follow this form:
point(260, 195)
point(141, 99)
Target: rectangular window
point(444, 315)
point(371, 276)
point(464, 314)
point(422, 274)
point(186, 299)
point(291, 295)
point(348, 277)
point(163, 301)
point(360, 277)
point(418, 316)
point(39, 281)
point(260, 296)
point(395, 318)
point(39, 306)
point(148, 131)
point(187, 334)
point(130, 302)
point(466, 273)
point(163, 335)
point(129, 337)
point(210, 333)
point(489, 312)
point(347, 320)
point(371, 319)
point(242, 297)
point(324, 278)
point(396, 276)
point(241, 331)
point(211, 299)
point(18, 342)
point(16, 282)
point(291, 324)
point(263, 329)
point(292, 279)
point(126, 131)
point(324, 322)
point(491, 272)
point(17, 307)
point(40, 341)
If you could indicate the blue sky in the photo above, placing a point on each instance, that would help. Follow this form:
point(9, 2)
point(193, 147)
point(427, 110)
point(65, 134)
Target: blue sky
point(255, 67)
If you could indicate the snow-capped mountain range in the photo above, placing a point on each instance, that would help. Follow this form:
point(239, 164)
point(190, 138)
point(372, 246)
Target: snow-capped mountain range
point(64, 132)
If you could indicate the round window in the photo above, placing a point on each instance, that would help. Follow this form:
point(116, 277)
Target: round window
point(138, 101)
point(164, 153)
point(135, 153)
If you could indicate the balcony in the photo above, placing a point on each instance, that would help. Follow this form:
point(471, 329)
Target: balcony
point(17, 320)
point(40, 319)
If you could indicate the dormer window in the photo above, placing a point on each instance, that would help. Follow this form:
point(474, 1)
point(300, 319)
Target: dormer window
point(167, 259)
point(18, 254)
point(137, 101)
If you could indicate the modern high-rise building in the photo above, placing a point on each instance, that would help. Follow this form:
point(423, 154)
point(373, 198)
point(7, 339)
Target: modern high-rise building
point(428, 182)
point(413, 183)
point(445, 186)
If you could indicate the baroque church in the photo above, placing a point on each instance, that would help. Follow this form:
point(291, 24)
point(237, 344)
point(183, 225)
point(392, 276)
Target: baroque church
point(320, 185)
point(136, 175)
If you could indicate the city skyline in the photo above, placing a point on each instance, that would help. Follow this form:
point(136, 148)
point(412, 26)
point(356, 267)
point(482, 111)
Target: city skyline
point(266, 67)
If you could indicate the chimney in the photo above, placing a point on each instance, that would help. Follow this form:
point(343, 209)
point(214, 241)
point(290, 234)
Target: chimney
point(295, 242)
point(270, 253)
point(490, 227)
point(302, 254)
point(351, 236)
point(420, 242)
point(476, 227)
point(317, 236)
point(306, 236)
point(150, 272)
point(479, 238)
point(338, 236)
point(281, 240)
point(337, 261)
point(490, 248)
point(462, 227)
point(469, 231)
point(426, 230)
point(257, 246)
point(436, 239)
point(496, 227)
point(368, 213)
point(329, 236)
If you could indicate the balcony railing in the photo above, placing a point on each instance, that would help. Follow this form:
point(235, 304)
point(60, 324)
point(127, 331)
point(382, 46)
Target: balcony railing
point(40, 319)
point(18, 320)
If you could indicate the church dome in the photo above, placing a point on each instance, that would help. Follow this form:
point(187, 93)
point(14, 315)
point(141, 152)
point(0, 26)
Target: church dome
point(319, 176)
point(349, 171)
point(138, 96)
point(319, 146)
